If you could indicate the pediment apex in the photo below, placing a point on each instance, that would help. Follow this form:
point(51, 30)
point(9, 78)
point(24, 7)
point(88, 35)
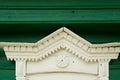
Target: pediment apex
point(64, 33)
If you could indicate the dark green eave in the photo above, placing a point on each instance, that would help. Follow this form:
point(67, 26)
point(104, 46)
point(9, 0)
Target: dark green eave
point(93, 32)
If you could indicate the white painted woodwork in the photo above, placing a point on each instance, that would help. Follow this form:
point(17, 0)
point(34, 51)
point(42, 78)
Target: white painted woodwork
point(20, 69)
point(62, 55)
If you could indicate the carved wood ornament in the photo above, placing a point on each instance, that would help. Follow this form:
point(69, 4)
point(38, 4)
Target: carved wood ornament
point(62, 55)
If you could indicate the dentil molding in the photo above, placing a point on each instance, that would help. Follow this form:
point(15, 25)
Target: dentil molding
point(61, 54)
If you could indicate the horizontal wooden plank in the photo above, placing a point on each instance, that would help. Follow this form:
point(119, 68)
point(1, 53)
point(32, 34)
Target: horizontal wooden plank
point(60, 4)
point(60, 16)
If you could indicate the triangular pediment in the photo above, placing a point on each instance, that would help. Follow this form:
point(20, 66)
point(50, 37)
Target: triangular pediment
point(64, 33)
point(65, 39)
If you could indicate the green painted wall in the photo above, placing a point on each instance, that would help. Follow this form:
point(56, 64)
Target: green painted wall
point(7, 68)
point(115, 69)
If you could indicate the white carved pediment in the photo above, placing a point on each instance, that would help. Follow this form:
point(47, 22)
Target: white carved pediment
point(61, 55)
point(62, 38)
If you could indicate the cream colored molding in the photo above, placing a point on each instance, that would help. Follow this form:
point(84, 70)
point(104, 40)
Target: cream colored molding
point(62, 38)
point(62, 54)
